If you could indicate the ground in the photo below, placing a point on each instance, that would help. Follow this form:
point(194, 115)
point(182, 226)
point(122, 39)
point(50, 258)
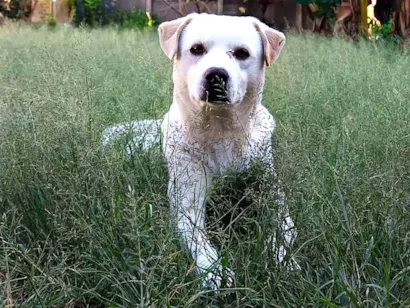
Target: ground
point(82, 226)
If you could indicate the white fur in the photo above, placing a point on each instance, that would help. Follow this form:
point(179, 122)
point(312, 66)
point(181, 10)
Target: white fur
point(221, 37)
point(202, 140)
point(145, 134)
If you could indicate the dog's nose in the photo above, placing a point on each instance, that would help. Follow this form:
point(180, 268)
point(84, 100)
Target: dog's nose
point(214, 75)
point(215, 85)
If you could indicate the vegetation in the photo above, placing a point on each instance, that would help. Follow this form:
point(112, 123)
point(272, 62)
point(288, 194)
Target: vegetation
point(92, 13)
point(17, 9)
point(79, 225)
point(325, 7)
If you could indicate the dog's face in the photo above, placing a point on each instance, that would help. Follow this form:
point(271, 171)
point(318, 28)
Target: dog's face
point(219, 58)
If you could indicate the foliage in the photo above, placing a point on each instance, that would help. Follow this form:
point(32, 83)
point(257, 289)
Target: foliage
point(17, 9)
point(71, 7)
point(325, 7)
point(70, 4)
point(91, 13)
point(51, 21)
point(385, 32)
point(132, 19)
point(83, 227)
point(242, 9)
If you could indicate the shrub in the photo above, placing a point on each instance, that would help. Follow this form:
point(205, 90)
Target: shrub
point(51, 21)
point(17, 9)
point(92, 13)
point(385, 32)
point(134, 19)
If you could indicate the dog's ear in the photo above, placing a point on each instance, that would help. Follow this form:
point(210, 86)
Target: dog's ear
point(169, 33)
point(273, 42)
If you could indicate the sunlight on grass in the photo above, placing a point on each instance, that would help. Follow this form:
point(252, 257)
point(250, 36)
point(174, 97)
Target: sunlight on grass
point(76, 224)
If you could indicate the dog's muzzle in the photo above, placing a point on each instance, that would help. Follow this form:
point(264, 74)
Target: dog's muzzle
point(216, 86)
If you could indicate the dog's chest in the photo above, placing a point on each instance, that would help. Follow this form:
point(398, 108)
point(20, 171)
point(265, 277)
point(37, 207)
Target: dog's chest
point(225, 154)
point(232, 152)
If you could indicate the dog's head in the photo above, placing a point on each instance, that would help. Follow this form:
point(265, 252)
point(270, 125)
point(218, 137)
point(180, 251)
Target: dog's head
point(219, 58)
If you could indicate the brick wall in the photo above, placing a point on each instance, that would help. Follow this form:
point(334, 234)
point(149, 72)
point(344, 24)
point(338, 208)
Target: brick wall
point(43, 8)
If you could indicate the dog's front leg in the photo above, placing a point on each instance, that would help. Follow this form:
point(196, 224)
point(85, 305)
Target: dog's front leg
point(286, 226)
point(187, 190)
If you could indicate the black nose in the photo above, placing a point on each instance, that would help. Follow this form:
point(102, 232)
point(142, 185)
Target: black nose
point(216, 75)
point(215, 88)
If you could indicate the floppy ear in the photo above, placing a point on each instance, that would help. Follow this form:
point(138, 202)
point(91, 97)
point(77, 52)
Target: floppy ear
point(273, 42)
point(169, 33)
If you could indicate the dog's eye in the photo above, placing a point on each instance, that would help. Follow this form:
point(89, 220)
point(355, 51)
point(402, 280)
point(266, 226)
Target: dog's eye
point(197, 49)
point(241, 54)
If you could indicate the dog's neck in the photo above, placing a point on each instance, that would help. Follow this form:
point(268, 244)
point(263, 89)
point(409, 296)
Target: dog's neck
point(206, 124)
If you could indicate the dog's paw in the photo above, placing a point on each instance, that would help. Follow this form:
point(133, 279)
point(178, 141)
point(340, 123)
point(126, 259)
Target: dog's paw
point(291, 264)
point(217, 277)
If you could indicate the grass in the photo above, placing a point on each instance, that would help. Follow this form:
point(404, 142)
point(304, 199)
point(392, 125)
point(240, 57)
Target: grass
point(80, 226)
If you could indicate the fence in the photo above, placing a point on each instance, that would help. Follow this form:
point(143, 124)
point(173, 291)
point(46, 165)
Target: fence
point(278, 13)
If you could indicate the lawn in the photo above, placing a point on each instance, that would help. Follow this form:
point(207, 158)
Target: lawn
point(83, 226)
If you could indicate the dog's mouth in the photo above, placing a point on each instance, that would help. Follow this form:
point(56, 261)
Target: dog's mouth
point(216, 91)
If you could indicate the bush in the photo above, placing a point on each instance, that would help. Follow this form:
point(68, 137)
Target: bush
point(385, 32)
point(134, 19)
point(92, 13)
point(51, 21)
point(137, 19)
point(17, 9)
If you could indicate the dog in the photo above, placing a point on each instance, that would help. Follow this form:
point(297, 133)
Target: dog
point(215, 124)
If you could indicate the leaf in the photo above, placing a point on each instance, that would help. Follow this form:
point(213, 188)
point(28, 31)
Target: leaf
point(224, 261)
point(242, 9)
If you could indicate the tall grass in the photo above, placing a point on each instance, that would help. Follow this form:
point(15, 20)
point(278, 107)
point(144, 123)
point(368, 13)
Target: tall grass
point(82, 226)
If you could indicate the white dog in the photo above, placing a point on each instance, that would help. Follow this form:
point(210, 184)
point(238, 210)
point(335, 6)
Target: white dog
point(216, 123)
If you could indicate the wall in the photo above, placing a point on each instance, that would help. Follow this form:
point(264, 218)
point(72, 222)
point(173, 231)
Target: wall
point(279, 13)
point(41, 11)
point(45, 7)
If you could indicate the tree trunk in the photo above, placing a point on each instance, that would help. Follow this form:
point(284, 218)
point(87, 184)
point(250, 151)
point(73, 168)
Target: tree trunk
point(407, 12)
point(148, 6)
point(363, 16)
point(220, 8)
point(396, 5)
point(398, 22)
point(298, 19)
